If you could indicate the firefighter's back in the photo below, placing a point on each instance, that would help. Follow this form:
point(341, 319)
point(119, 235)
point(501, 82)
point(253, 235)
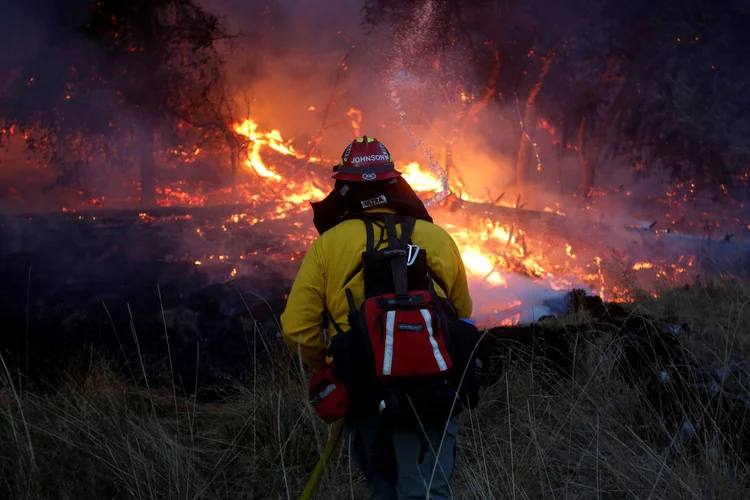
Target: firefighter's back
point(340, 253)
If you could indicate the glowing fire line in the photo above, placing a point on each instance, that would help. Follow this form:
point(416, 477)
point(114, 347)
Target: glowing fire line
point(491, 252)
point(488, 250)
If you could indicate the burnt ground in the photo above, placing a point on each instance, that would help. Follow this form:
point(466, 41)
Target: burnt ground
point(73, 286)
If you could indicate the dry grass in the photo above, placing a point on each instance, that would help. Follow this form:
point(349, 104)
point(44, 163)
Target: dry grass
point(593, 437)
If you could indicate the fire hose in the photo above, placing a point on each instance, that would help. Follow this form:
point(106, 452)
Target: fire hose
point(314, 480)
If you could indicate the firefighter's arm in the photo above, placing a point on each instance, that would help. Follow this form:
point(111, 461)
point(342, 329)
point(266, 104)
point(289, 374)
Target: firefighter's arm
point(302, 320)
point(459, 290)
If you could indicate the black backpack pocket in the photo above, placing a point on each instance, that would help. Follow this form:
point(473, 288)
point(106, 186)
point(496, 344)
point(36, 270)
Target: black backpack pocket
point(470, 359)
point(353, 363)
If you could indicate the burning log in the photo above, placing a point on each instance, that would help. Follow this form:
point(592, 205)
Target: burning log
point(569, 244)
point(556, 224)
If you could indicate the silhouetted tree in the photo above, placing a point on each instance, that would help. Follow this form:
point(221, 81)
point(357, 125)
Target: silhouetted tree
point(116, 79)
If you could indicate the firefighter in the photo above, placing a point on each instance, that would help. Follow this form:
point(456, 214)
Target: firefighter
point(397, 462)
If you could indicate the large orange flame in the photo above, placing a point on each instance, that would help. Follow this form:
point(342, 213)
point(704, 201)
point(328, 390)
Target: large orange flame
point(489, 250)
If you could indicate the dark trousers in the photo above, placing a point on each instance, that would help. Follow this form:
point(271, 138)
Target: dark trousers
point(399, 463)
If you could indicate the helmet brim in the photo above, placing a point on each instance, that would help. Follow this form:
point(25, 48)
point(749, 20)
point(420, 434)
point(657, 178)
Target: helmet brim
point(367, 176)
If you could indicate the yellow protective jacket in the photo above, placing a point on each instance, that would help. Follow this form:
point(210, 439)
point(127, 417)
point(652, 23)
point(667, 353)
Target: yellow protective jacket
point(332, 259)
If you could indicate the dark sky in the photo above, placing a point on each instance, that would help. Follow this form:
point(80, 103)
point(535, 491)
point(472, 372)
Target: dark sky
point(23, 26)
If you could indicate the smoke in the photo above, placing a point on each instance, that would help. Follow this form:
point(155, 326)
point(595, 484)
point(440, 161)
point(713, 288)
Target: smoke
point(518, 300)
point(23, 29)
point(286, 65)
point(46, 53)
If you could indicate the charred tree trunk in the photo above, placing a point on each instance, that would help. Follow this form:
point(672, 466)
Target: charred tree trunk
point(448, 161)
point(315, 143)
point(451, 169)
point(588, 164)
point(561, 152)
point(529, 126)
point(594, 140)
point(235, 168)
point(148, 166)
point(524, 151)
point(235, 150)
point(476, 107)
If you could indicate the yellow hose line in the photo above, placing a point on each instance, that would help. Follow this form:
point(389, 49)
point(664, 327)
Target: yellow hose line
point(336, 431)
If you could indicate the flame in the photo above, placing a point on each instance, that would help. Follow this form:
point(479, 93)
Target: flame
point(307, 192)
point(249, 128)
point(356, 117)
point(569, 251)
point(420, 181)
point(479, 265)
point(272, 140)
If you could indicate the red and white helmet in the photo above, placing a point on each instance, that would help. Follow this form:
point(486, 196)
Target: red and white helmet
point(365, 160)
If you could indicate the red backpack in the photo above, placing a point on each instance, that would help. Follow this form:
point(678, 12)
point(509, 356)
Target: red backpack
point(407, 353)
point(401, 311)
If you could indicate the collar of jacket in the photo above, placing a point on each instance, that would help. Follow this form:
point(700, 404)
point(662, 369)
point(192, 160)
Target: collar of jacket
point(398, 198)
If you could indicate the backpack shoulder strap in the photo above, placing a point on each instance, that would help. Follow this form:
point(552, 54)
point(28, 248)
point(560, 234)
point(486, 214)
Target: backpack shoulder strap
point(328, 318)
point(370, 228)
point(388, 233)
point(398, 256)
point(390, 229)
point(407, 229)
point(371, 244)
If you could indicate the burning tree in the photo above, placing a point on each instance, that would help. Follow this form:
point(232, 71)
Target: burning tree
point(116, 82)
